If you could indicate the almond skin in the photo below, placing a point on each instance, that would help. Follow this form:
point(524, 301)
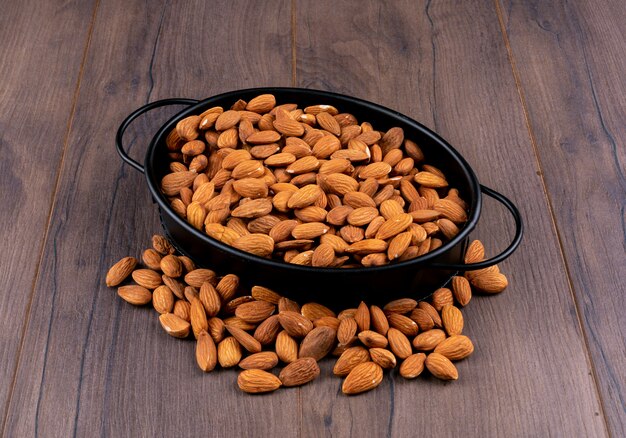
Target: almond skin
point(372, 339)
point(174, 325)
point(383, 357)
point(455, 347)
point(413, 366)
point(379, 322)
point(461, 290)
point(267, 331)
point(441, 367)
point(299, 372)
point(255, 311)
point(147, 278)
point(257, 381)
point(228, 352)
point(428, 340)
point(399, 343)
point(265, 360)
point(286, 347)
point(295, 324)
point(362, 317)
point(350, 358)
point(134, 294)
point(206, 352)
point(317, 343)
point(347, 330)
point(120, 271)
point(363, 377)
point(452, 320)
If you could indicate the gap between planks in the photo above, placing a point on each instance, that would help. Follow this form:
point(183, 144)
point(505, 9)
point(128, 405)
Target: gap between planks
point(550, 206)
point(53, 199)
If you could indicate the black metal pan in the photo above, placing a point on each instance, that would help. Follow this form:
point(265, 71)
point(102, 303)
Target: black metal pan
point(336, 287)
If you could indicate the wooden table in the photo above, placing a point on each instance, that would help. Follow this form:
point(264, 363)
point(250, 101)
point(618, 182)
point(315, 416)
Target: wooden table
point(533, 93)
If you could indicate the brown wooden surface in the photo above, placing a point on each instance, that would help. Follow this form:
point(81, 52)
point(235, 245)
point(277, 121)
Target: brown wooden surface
point(40, 74)
point(548, 350)
point(584, 72)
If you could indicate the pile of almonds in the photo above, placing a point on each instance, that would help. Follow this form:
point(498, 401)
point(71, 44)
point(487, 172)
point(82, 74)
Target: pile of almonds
point(258, 329)
point(308, 186)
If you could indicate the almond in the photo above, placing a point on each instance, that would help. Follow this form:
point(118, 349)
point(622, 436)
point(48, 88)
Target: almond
point(216, 329)
point(228, 352)
point(120, 271)
point(340, 184)
point(309, 230)
point(423, 319)
point(187, 128)
point(197, 277)
point(475, 252)
point(174, 325)
point(151, 258)
point(227, 120)
point(441, 367)
point(171, 266)
point(399, 245)
point(451, 210)
point(461, 290)
point(367, 246)
point(295, 324)
point(323, 255)
point(206, 352)
point(402, 306)
point(304, 196)
point(362, 317)
point(383, 357)
point(262, 103)
point(326, 146)
point(210, 299)
point(286, 347)
point(372, 339)
point(379, 321)
point(442, 297)
point(328, 122)
point(347, 330)
point(134, 294)
point(363, 377)
point(430, 180)
point(314, 311)
point(455, 347)
point(264, 294)
point(163, 299)
point(317, 343)
point(255, 311)
point(394, 226)
point(147, 278)
point(452, 320)
point(412, 366)
point(299, 372)
point(257, 381)
point(375, 170)
point(428, 340)
point(361, 216)
point(198, 317)
point(490, 282)
point(399, 343)
point(257, 244)
point(432, 312)
point(265, 360)
point(245, 339)
point(182, 309)
point(267, 331)
point(227, 286)
point(403, 323)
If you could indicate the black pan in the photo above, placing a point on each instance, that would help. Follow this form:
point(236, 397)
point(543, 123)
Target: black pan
point(335, 287)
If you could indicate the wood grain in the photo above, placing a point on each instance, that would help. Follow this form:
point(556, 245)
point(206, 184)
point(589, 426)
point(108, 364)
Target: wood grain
point(571, 55)
point(448, 67)
point(92, 365)
point(33, 127)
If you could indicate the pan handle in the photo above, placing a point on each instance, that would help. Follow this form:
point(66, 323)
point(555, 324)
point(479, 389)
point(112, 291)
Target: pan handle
point(132, 116)
point(519, 231)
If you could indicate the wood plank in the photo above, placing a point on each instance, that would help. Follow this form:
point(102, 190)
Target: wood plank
point(444, 63)
point(571, 59)
point(92, 365)
point(41, 51)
